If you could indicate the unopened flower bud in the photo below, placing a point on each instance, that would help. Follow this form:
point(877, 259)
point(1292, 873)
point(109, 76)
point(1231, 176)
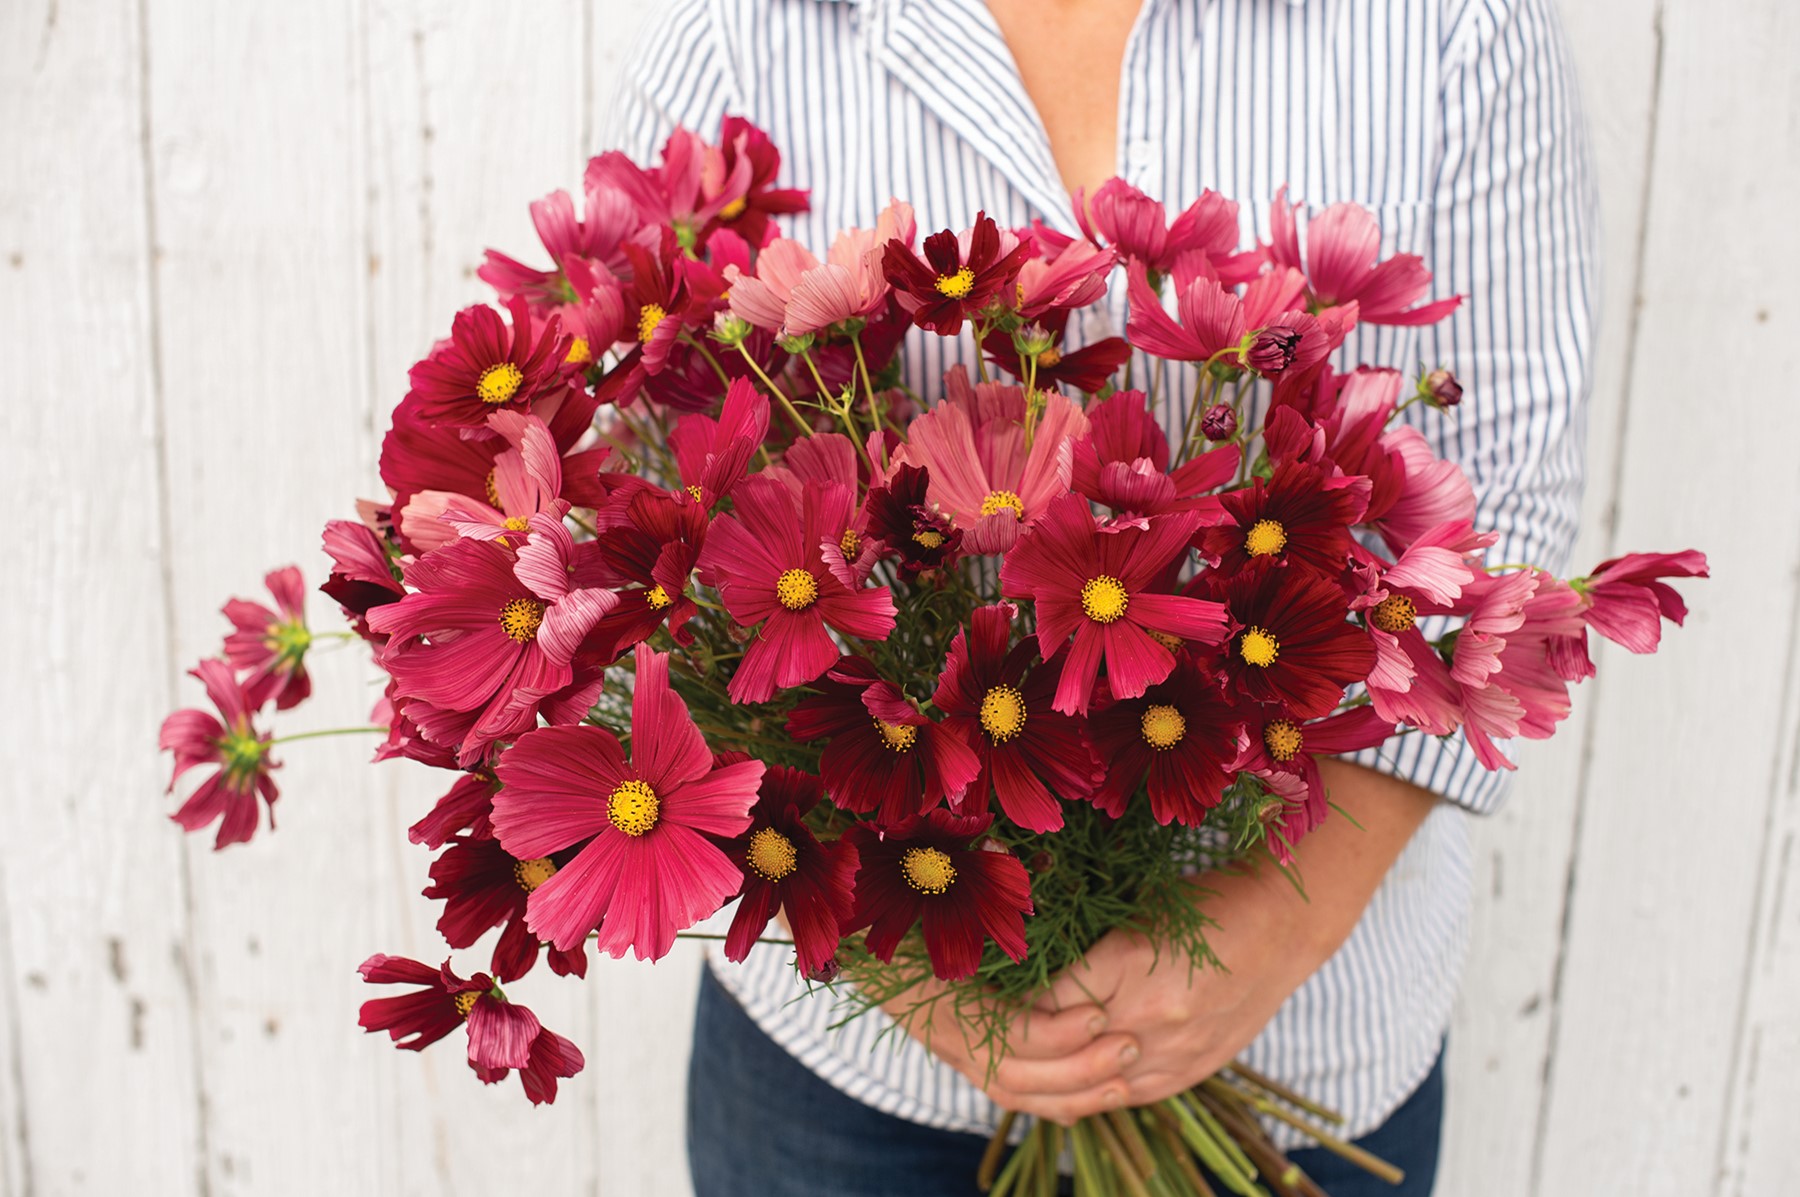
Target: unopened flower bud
point(1273, 349)
point(796, 345)
point(1033, 340)
point(1440, 388)
point(827, 972)
point(1219, 423)
point(730, 329)
point(1041, 862)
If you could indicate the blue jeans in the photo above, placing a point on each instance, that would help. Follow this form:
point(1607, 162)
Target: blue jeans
point(760, 1124)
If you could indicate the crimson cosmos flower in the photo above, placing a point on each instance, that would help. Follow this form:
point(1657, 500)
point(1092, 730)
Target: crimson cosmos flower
point(645, 868)
point(923, 873)
point(486, 365)
point(1094, 584)
point(787, 868)
point(1342, 245)
point(1293, 647)
point(240, 751)
point(1181, 735)
point(769, 562)
point(484, 886)
point(272, 645)
point(464, 807)
point(1032, 758)
point(1123, 463)
point(502, 1035)
point(1300, 517)
point(651, 550)
point(885, 755)
point(1291, 749)
point(902, 516)
point(957, 277)
point(1626, 601)
point(712, 454)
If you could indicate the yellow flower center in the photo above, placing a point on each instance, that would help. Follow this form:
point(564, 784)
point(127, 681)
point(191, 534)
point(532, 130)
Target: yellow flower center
point(465, 1001)
point(520, 619)
point(898, 736)
point(1104, 599)
point(1163, 726)
point(955, 286)
point(796, 589)
point(850, 542)
point(532, 873)
point(928, 870)
point(633, 807)
point(657, 598)
point(1395, 614)
point(1003, 500)
point(1282, 738)
point(1265, 538)
point(931, 538)
point(1002, 713)
point(499, 383)
point(1259, 648)
point(772, 855)
point(1049, 358)
point(580, 352)
point(649, 316)
point(518, 523)
point(493, 490)
point(696, 493)
point(735, 208)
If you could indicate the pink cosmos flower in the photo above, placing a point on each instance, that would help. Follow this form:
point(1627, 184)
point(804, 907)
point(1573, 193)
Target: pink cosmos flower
point(502, 1035)
point(1123, 463)
point(849, 285)
point(526, 479)
point(489, 634)
point(713, 454)
point(1342, 245)
point(610, 219)
point(1215, 320)
point(1102, 587)
point(768, 558)
point(645, 868)
point(1138, 227)
point(983, 473)
point(1626, 601)
point(272, 646)
point(240, 751)
point(361, 575)
point(1065, 276)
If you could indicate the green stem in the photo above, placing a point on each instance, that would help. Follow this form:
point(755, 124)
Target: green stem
point(708, 935)
point(724, 379)
point(780, 395)
point(332, 731)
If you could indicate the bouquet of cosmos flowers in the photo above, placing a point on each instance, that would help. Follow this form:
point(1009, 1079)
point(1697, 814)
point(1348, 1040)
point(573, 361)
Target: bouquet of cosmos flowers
point(696, 603)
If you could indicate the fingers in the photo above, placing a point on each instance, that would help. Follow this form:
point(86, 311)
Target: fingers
point(1100, 1061)
point(1066, 1109)
point(1045, 1034)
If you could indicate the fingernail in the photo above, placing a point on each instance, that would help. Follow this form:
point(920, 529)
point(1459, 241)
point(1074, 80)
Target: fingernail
point(1096, 1024)
point(1128, 1053)
point(1114, 1098)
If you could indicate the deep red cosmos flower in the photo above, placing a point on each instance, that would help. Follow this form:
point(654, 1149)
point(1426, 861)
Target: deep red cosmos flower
point(1301, 517)
point(240, 751)
point(486, 365)
point(748, 212)
point(1181, 735)
point(645, 868)
point(483, 886)
point(958, 276)
point(502, 1035)
point(770, 567)
point(902, 516)
point(1292, 646)
point(1032, 758)
point(923, 873)
point(786, 868)
point(651, 550)
point(1285, 752)
point(885, 755)
point(1095, 584)
point(362, 574)
point(272, 645)
point(489, 633)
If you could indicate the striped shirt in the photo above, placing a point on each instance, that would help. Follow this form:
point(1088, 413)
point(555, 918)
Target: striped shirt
point(1455, 121)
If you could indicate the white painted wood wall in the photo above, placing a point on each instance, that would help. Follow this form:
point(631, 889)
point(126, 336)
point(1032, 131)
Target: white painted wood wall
point(225, 231)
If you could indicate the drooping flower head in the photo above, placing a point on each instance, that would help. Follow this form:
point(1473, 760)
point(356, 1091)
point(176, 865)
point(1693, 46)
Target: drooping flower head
point(271, 645)
point(1102, 587)
point(1138, 227)
point(1180, 736)
point(645, 867)
point(502, 1034)
point(1626, 599)
point(769, 562)
point(235, 745)
point(1033, 758)
point(713, 454)
point(1284, 752)
point(525, 479)
point(649, 551)
point(902, 515)
point(959, 275)
point(786, 868)
point(924, 874)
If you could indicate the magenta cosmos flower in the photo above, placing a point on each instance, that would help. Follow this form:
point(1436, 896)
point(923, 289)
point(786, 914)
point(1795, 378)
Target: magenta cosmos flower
point(502, 1035)
point(489, 633)
point(768, 558)
point(1342, 245)
point(1626, 600)
point(645, 868)
point(1033, 759)
point(1138, 227)
point(362, 574)
point(1101, 586)
point(924, 874)
point(487, 365)
point(985, 473)
point(240, 751)
point(271, 645)
point(526, 478)
point(786, 868)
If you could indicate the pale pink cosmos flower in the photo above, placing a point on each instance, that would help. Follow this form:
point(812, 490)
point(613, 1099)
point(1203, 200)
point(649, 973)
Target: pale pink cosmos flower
point(983, 474)
point(792, 293)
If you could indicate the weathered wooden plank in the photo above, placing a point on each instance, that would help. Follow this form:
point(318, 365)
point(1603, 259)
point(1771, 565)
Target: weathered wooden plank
point(1667, 880)
point(98, 1040)
point(1499, 1041)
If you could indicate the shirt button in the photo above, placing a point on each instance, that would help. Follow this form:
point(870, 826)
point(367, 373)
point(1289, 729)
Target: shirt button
point(1141, 153)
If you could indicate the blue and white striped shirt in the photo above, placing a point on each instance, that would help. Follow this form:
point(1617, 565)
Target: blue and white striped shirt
point(1455, 121)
